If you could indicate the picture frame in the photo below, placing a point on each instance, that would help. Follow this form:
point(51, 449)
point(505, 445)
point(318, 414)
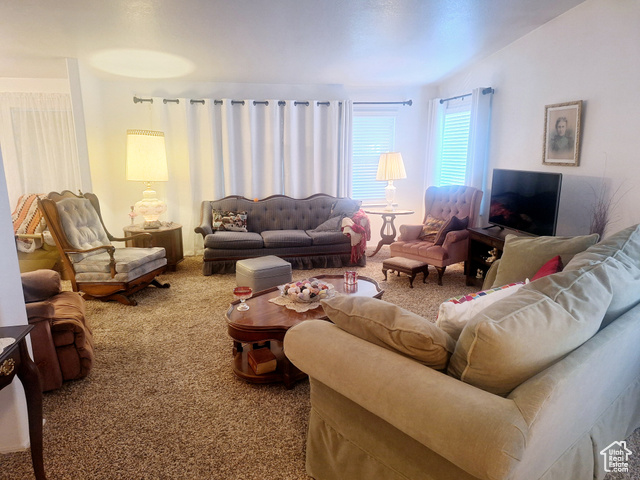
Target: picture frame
point(562, 122)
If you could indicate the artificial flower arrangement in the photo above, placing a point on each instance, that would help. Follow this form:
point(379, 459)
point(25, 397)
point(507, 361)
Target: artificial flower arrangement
point(307, 291)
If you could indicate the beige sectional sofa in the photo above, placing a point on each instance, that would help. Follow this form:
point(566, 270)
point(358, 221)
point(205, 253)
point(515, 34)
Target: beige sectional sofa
point(538, 384)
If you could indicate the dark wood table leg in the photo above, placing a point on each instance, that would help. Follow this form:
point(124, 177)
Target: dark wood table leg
point(28, 375)
point(387, 232)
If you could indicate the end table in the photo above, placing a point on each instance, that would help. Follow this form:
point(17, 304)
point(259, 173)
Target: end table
point(168, 236)
point(15, 360)
point(388, 230)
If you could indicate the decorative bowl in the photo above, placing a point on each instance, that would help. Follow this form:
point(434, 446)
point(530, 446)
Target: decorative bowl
point(307, 291)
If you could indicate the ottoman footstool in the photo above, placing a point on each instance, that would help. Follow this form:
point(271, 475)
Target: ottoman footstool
point(406, 265)
point(261, 273)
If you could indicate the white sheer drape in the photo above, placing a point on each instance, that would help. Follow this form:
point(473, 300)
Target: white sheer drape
point(312, 148)
point(478, 156)
point(38, 141)
point(250, 148)
point(434, 141)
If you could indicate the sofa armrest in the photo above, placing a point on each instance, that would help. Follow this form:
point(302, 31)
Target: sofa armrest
point(409, 233)
point(482, 433)
point(40, 310)
point(205, 228)
point(40, 285)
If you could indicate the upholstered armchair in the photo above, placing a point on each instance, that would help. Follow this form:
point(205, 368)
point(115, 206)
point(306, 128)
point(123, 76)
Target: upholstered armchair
point(442, 239)
point(61, 338)
point(96, 267)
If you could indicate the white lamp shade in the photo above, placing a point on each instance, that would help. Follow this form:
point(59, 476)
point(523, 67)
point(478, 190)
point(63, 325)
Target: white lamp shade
point(146, 156)
point(391, 167)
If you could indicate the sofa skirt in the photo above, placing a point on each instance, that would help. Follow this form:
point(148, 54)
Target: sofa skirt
point(331, 260)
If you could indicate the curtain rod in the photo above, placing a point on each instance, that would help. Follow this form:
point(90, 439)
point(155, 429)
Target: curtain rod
point(281, 103)
point(485, 91)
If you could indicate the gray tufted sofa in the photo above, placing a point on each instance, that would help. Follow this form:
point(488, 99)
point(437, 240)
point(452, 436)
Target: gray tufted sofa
point(281, 226)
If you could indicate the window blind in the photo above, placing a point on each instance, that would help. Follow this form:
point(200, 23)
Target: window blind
point(455, 147)
point(372, 135)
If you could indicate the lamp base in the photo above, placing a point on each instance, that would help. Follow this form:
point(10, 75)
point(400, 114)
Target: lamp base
point(390, 195)
point(154, 224)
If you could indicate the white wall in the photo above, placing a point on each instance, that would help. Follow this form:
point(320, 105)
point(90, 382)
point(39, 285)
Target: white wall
point(13, 412)
point(590, 53)
point(110, 111)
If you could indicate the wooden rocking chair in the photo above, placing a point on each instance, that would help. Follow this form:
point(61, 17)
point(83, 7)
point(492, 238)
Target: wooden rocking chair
point(97, 268)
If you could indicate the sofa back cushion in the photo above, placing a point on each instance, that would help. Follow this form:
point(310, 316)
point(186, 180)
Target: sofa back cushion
point(279, 212)
point(522, 257)
point(523, 334)
point(625, 247)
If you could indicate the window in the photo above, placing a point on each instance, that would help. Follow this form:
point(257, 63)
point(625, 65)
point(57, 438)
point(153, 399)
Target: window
point(374, 133)
point(455, 145)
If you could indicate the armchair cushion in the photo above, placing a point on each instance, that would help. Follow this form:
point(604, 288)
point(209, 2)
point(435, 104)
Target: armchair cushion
point(391, 327)
point(82, 226)
point(128, 276)
point(127, 259)
point(522, 257)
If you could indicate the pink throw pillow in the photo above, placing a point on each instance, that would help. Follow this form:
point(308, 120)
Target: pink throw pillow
point(552, 266)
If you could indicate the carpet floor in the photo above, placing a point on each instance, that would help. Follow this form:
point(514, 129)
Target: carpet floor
point(163, 403)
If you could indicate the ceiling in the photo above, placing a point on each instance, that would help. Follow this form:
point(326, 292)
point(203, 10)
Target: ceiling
point(351, 42)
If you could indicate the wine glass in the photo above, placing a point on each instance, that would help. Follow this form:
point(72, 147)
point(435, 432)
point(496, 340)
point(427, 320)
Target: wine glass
point(242, 293)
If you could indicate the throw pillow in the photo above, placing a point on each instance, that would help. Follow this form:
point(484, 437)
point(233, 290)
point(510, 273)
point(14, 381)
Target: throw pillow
point(231, 221)
point(525, 333)
point(552, 266)
point(345, 207)
point(331, 225)
point(391, 327)
point(456, 312)
point(454, 223)
point(431, 228)
point(522, 257)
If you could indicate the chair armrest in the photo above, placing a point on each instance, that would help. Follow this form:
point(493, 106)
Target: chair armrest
point(455, 236)
point(40, 285)
point(146, 236)
point(482, 433)
point(409, 233)
point(110, 250)
point(38, 311)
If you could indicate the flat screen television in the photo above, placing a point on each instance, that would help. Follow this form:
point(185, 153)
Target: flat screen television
point(525, 201)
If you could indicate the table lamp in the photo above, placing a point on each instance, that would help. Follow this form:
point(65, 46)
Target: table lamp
point(147, 162)
point(390, 168)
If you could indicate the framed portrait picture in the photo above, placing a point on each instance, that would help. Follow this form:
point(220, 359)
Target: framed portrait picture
point(562, 134)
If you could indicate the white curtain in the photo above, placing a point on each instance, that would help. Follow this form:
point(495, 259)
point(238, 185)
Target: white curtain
point(478, 156)
point(38, 141)
point(434, 141)
point(312, 136)
point(248, 148)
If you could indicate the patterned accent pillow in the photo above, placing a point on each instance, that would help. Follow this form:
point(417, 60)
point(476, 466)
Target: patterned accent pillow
point(454, 314)
point(431, 228)
point(230, 221)
point(454, 223)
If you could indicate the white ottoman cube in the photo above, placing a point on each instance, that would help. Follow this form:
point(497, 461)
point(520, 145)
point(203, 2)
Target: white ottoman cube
point(262, 272)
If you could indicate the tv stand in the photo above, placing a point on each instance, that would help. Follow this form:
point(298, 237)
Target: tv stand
point(493, 226)
point(481, 242)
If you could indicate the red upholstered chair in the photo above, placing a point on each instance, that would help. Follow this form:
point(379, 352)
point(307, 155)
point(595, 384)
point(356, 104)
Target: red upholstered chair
point(451, 246)
point(61, 339)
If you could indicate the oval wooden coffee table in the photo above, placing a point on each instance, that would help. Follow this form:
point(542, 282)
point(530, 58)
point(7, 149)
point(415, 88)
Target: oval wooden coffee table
point(267, 322)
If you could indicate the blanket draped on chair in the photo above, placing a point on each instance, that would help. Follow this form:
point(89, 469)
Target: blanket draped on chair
point(27, 219)
point(359, 230)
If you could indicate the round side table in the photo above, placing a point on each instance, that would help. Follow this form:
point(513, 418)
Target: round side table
point(388, 230)
point(168, 236)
